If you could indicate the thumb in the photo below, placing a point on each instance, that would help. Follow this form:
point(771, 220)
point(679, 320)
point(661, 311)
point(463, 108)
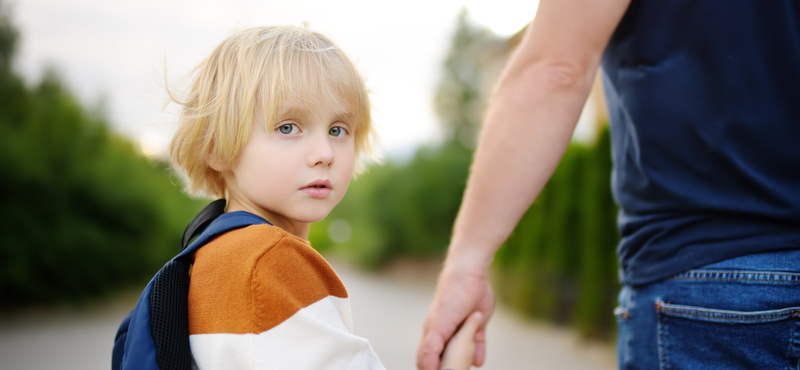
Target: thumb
point(473, 322)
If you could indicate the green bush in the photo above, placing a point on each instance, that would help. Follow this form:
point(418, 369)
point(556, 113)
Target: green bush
point(559, 263)
point(400, 210)
point(81, 212)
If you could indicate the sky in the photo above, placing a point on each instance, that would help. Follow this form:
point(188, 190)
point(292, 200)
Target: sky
point(119, 56)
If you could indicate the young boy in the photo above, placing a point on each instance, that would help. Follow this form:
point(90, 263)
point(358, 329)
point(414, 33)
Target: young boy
point(275, 122)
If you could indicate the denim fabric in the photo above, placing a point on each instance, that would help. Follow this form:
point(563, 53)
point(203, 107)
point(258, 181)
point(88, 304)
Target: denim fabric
point(740, 313)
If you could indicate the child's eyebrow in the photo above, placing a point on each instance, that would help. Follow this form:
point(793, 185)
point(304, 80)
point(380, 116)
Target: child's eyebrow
point(346, 116)
point(306, 112)
point(293, 112)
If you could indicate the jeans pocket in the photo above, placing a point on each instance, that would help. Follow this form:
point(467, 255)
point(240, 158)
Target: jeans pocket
point(699, 338)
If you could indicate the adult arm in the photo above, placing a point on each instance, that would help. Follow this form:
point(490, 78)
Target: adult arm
point(529, 122)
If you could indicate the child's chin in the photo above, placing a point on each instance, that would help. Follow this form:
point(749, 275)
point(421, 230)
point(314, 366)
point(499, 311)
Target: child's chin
point(315, 218)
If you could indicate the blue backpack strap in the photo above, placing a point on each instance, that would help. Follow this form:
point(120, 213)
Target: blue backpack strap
point(119, 343)
point(201, 221)
point(157, 333)
point(224, 223)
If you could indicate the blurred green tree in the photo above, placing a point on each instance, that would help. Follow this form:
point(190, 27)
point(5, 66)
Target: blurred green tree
point(409, 209)
point(400, 210)
point(558, 264)
point(82, 213)
point(470, 69)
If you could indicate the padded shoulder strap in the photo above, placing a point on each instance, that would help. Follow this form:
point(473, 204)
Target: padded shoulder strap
point(169, 321)
point(201, 221)
point(156, 333)
point(222, 224)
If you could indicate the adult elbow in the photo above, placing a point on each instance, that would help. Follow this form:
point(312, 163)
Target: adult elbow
point(558, 75)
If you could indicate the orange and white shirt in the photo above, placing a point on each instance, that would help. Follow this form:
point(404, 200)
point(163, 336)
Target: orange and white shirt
point(261, 298)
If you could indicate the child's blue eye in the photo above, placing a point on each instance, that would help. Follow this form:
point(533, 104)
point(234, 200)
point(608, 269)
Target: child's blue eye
point(287, 128)
point(336, 131)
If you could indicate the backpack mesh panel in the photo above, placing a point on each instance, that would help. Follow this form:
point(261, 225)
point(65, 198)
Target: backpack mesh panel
point(169, 316)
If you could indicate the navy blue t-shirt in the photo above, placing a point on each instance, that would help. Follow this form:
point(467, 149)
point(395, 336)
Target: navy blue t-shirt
point(704, 105)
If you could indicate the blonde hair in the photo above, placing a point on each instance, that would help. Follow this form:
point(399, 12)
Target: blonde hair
point(270, 65)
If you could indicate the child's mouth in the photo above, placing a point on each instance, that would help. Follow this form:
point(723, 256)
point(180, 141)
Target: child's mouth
point(318, 189)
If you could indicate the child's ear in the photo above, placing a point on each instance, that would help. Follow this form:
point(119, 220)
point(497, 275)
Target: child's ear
point(216, 163)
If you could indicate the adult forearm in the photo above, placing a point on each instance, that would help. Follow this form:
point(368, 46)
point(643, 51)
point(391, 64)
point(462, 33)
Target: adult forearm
point(527, 127)
point(528, 124)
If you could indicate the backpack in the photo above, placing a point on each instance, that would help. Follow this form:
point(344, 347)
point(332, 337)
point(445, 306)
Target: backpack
point(155, 335)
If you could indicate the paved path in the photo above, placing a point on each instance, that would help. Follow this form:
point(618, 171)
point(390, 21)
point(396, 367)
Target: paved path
point(388, 309)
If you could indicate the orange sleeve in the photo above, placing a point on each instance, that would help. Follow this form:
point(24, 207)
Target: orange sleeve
point(251, 279)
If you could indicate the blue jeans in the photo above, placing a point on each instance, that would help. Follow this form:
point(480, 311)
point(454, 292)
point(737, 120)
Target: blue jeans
point(741, 313)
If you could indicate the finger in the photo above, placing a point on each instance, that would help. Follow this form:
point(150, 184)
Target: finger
point(430, 348)
point(480, 345)
point(473, 323)
point(437, 331)
point(480, 354)
point(486, 305)
point(459, 351)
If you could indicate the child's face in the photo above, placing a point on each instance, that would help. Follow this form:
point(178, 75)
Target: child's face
point(296, 174)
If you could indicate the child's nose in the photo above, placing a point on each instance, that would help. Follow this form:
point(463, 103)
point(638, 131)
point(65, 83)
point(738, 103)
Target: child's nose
point(321, 152)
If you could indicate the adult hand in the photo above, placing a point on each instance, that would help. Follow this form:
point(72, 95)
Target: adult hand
point(460, 350)
point(462, 289)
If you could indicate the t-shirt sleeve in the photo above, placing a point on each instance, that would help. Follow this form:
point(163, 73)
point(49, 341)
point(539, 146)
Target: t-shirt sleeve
point(296, 315)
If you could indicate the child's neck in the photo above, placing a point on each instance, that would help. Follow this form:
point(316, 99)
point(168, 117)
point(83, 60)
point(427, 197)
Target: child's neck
point(299, 229)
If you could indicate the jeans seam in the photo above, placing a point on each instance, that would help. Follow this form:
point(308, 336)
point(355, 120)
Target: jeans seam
point(736, 279)
point(715, 315)
point(740, 320)
point(662, 353)
point(739, 275)
point(791, 344)
point(626, 355)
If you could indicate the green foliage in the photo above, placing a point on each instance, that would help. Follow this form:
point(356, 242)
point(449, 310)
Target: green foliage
point(409, 210)
point(400, 210)
point(8, 40)
point(559, 263)
point(81, 212)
